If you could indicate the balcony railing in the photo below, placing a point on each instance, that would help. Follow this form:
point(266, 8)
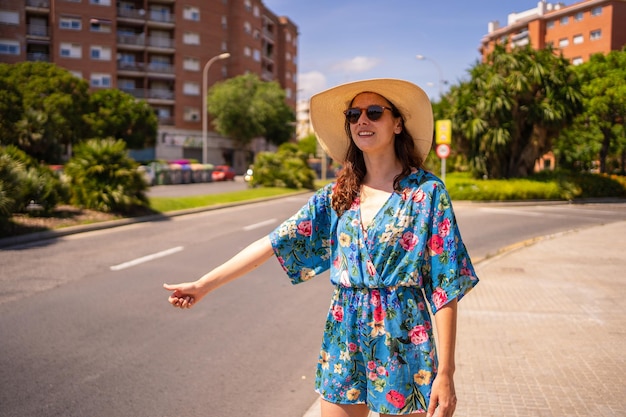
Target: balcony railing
point(37, 30)
point(159, 94)
point(142, 67)
point(42, 4)
point(140, 40)
point(38, 57)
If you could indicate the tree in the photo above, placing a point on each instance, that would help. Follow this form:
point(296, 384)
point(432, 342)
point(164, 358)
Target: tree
point(116, 114)
point(512, 108)
point(245, 107)
point(52, 103)
point(598, 132)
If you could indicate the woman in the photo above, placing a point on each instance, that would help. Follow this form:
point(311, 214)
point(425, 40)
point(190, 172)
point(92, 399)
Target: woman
point(387, 232)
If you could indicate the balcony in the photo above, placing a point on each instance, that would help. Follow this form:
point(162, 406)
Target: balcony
point(42, 6)
point(38, 57)
point(39, 31)
point(152, 94)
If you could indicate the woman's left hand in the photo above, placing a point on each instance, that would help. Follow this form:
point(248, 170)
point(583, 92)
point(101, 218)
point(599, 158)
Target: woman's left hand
point(442, 397)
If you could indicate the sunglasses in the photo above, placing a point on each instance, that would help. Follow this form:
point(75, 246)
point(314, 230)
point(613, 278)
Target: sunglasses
point(373, 112)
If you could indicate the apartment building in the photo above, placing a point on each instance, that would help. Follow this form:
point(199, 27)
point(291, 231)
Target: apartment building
point(578, 30)
point(157, 50)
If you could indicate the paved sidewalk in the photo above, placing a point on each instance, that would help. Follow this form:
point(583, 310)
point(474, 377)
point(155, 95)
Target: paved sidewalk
point(544, 332)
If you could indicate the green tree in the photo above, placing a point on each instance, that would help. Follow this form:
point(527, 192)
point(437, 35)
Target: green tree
point(52, 103)
point(116, 114)
point(245, 107)
point(598, 132)
point(308, 145)
point(511, 109)
point(11, 110)
point(102, 177)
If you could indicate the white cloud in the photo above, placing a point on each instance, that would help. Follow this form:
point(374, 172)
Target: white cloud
point(310, 83)
point(356, 65)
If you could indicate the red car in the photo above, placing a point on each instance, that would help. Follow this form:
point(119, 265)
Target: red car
point(223, 173)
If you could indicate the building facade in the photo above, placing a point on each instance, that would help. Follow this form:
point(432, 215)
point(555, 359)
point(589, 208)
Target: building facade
point(578, 30)
point(157, 50)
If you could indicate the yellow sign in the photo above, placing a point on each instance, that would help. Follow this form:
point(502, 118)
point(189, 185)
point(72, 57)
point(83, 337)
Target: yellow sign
point(443, 132)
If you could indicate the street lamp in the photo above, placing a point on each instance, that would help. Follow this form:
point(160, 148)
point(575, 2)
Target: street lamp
point(205, 72)
point(441, 80)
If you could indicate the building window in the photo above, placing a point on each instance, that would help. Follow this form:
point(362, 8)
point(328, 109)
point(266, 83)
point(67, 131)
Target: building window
point(71, 50)
point(563, 42)
point(191, 114)
point(224, 22)
point(247, 51)
point(564, 20)
point(256, 55)
point(550, 24)
point(8, 47)
point(578, 39)
point(191, 64)
point(96, 25)
point(190, 38)
point(256, 11)
point(288, 37)
point(70, 23)
point(577, 61)
point(100, 53)
point(191, 89)
point(248, 5)
point(100, 2)
point(100, 80)
point(247, 27)
point(595, 35)
point(10, 18)
point(224, 47)
point(578, 16)
point(596, 11)
point(191, 13)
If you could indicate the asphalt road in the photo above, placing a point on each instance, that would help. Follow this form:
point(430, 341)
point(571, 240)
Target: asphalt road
point(85, 329)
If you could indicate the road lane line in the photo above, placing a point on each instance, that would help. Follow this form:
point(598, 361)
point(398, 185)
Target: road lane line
point(260, 224)
point(147, 258)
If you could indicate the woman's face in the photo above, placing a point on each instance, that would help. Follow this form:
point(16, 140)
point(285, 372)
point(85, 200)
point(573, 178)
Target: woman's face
point(374, 136)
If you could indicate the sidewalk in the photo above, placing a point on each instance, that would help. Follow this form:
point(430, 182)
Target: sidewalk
point(543, 334)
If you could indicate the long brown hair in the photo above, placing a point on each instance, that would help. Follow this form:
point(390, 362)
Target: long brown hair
point(353, 172)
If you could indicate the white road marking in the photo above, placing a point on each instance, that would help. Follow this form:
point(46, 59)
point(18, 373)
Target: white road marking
point(260, 224)
point(147, 258)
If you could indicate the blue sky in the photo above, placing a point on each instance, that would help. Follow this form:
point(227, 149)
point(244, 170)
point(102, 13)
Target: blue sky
point(349, 40)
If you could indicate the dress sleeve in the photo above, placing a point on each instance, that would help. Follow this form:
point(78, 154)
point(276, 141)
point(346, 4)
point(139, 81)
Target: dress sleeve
point(302, 242)
point(449, 272)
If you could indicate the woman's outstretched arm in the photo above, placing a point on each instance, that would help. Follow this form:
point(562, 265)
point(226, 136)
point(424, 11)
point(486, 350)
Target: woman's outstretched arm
point(186, 294)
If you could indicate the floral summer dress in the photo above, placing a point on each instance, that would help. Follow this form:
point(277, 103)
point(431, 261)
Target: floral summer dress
point(378, 346)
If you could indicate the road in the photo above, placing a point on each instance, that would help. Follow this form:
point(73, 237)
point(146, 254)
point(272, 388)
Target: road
point(85, 329)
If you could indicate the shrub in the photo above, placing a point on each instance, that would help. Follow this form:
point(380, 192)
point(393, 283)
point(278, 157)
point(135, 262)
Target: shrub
point(285, 168)
point(102, 177)
point(25, 181)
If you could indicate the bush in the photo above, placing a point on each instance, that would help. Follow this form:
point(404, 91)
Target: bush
point(286, 168)
point(102, 177)
point(23, 181)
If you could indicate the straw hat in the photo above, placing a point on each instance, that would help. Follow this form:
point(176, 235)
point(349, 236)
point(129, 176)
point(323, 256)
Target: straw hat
point(328, 120)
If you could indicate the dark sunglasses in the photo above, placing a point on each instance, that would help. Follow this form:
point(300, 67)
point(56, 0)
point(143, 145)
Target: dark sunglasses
point(373, 112)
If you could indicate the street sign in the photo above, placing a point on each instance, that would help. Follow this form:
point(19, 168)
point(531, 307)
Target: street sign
point(443, 150)
point(443, 132)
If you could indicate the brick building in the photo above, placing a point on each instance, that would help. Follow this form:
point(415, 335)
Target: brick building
point(157, 50)
point(578, 30)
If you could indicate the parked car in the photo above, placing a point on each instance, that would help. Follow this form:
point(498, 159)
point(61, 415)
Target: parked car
point(223, 173)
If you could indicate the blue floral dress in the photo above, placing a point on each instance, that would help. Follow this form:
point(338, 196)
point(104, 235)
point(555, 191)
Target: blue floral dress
point(378, 346)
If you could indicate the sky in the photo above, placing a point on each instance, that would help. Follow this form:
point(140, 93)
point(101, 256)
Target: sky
point(350, 40)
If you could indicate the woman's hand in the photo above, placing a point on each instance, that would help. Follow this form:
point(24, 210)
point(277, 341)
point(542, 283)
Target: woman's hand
point(442, 397)
point(185, 295)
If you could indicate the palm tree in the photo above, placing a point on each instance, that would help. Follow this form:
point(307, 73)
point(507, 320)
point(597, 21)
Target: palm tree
point(515, 103)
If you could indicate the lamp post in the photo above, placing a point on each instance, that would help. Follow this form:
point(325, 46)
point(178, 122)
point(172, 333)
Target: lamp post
point(205, 72)
point(441, 80)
